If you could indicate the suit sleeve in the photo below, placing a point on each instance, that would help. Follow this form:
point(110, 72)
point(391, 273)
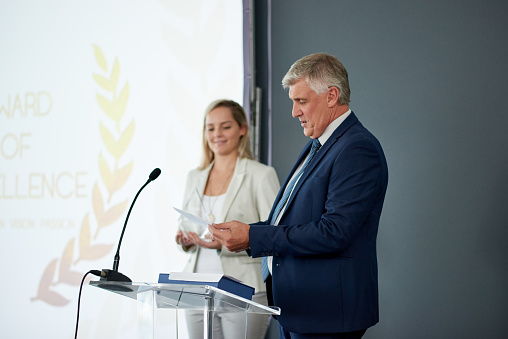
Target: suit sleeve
point(330, 208)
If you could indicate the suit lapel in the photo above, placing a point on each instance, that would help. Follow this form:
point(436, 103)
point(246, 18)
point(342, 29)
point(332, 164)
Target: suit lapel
point(234, 185)
point(202, 180)
point(309, 171)
point(196, 196)
point(302, 155)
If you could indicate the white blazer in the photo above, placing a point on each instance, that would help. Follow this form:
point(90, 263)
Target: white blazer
point(249, 198)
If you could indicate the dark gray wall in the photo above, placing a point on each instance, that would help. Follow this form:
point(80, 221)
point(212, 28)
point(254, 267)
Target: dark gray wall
point(430, 80)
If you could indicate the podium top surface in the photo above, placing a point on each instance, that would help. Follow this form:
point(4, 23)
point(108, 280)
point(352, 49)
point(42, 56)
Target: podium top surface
point(186, 296)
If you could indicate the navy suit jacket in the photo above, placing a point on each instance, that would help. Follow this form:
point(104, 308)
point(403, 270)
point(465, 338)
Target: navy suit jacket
point(324, 273)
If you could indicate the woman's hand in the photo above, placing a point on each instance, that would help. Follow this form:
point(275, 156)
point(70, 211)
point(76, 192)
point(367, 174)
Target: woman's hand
point(194, 239)
point(182, 240)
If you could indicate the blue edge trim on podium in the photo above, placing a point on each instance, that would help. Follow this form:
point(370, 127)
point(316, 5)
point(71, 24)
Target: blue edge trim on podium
point(224, 284)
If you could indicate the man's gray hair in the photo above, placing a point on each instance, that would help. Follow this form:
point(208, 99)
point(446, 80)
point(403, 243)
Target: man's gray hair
point(321, 71)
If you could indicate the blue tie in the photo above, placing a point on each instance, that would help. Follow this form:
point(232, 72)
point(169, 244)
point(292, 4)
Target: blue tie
point(289, 189)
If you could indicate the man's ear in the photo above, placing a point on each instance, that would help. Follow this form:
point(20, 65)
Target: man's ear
point(332, 96)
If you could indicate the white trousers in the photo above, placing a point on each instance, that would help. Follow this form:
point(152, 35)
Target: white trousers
point(230, 325)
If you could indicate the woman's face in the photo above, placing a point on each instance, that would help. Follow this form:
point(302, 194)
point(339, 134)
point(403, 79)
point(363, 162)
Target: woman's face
point(222, 131)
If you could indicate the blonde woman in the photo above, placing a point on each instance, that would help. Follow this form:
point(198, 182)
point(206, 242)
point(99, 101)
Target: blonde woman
point(228, 185)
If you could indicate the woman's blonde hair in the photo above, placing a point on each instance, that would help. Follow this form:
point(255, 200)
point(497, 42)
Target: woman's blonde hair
point(239, 116)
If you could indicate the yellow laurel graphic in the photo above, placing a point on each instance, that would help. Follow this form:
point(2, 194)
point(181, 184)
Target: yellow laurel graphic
point(66, 274)
point(87, 250)
point(44, 293)
point(112, 178)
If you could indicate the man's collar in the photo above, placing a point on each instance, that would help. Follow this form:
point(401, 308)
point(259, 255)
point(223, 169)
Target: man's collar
point(332, 127)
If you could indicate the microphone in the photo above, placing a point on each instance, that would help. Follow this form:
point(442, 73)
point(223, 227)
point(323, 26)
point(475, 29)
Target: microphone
point(114, 275)
point(154, 175)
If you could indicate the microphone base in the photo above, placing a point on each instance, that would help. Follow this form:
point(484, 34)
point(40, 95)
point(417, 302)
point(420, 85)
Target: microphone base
point(112, 275)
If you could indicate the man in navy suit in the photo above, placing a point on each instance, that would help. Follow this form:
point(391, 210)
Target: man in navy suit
point(319, 243)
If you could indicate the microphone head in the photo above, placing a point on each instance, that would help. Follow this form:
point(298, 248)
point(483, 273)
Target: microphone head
point(155, 173)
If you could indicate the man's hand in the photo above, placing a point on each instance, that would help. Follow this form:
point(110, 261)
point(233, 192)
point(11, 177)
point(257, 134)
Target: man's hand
point(234, 235)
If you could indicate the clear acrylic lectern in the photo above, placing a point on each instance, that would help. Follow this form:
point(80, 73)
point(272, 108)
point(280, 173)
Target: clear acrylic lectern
point(154, 301)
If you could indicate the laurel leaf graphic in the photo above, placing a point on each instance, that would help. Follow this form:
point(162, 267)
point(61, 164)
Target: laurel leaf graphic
point(66, 261)
point(121, 103)
point(97, 204)
point(52, 298)
point(99, 57)
point(121, 176)
point(106, 105)
point(84, 235)
point(104, 82)
point(113, 181)
point(97, 252)
point(71, 277)
point(115, 73)
point(125, 139)
point(66, 275)
point(117, 148)
point(106, 175)
point(86, 251)
point(112, 214)
point(47, 276)
point(44, 293)
point(110, 142)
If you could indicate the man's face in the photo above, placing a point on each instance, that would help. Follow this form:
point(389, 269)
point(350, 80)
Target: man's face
point(310, 108)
